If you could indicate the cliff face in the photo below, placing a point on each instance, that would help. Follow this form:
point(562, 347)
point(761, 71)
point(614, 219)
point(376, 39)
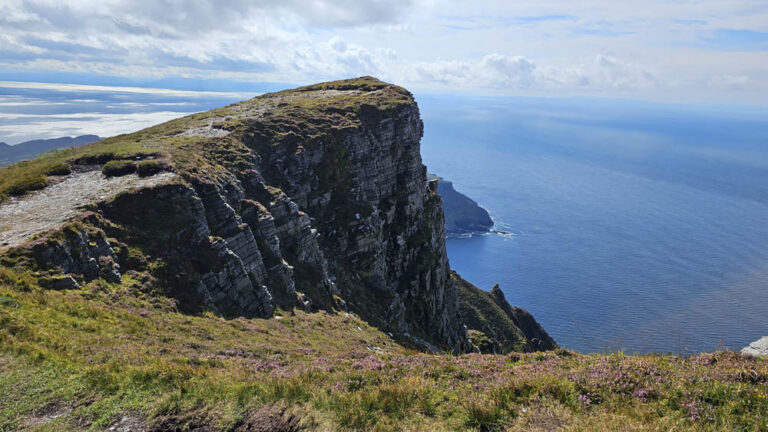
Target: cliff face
point(380, 227)
point(309, 199)
point(314, 198)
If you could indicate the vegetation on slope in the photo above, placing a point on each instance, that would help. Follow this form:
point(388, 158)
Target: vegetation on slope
point(111, 355)
point(495, 326)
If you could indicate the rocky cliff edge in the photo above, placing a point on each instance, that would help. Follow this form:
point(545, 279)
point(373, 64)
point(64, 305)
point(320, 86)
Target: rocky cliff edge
point(312, 198)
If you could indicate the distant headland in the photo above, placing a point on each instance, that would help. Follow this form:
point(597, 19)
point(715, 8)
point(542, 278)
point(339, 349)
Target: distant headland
point(462, 214)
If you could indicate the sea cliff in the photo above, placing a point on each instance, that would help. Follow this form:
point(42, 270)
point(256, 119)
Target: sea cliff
point(314, 198)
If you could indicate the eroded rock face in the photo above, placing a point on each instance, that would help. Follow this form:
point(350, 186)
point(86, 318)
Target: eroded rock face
point(377, 222)
point(78, 252)
point(202, 242)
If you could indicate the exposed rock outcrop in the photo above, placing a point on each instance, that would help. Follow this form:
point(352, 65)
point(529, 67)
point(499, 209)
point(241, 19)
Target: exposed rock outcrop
point(757, 348)
point(76, 251)
point(365, 186)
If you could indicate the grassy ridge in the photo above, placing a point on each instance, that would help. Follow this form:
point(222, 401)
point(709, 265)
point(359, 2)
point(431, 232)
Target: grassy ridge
point(109, 351)
point(288, 118)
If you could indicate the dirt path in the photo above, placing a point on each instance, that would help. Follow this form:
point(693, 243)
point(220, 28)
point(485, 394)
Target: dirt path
point(23, 217)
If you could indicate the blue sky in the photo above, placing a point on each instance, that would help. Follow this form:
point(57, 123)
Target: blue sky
point(682, 51)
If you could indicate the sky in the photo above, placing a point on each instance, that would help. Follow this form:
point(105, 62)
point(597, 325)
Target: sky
point(681, 51)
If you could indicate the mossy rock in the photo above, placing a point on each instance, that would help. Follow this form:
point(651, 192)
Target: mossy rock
point(151, 167)
point(59, 282)
point(118, 168)
point(482, 342)
point(59, 169)
point(26, 184)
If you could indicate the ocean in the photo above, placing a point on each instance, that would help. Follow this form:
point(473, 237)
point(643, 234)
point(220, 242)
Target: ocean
point(632, 226)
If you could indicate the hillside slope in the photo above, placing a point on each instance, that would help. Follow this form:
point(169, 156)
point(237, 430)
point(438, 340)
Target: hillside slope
point(110, 358)
point(495, 326)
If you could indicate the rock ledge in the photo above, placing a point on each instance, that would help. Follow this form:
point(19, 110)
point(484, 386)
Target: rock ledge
point(757, 348)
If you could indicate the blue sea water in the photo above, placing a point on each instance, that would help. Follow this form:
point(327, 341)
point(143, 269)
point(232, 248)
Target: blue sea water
point(633, 226)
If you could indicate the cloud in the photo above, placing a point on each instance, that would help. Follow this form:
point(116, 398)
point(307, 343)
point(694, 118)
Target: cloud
point(352, 59)
point(337, 44)
point(559, 45)
point(25, 128)
point(59, 87)
point(611, 72)
point(49, 110)
point(169, 18)
point(190, 37)
point(733, 82)
point(517, 72)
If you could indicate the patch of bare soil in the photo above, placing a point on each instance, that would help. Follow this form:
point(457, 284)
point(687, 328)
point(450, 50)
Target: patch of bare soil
point(23, 217)
point(187, 422)
point(129, 423)
point(270, 418)
point(46, 415)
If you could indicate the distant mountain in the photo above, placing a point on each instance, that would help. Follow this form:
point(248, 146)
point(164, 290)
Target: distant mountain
point(29, 149)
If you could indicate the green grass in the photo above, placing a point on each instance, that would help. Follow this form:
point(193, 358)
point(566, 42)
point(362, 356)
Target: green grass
point(151, 167)
point(106, 351)
point(58, 169)
point(487, 319)
point(117, 168)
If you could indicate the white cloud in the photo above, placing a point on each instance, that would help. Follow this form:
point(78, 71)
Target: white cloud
point(351, 59)
point(337, 44)
point(174, 18)
point(48, 110)
point(103, 89)
point(501, 71)
point(614, 48)
point(737, 82)
point(52, 126)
